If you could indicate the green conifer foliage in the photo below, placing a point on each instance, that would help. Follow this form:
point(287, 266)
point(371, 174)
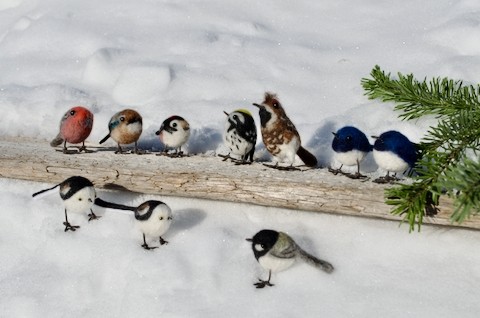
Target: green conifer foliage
point(450, 163)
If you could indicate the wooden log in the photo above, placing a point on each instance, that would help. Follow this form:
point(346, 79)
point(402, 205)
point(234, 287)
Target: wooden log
point(205, 177)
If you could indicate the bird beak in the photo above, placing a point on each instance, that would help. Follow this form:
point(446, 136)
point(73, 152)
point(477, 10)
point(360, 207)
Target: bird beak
point(374, 137)
point(255, 104)
point(249, 239)
point(335, 134)
point(225, 113)
point(157, 132)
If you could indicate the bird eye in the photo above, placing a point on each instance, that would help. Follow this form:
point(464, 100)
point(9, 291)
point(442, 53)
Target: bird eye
point(349, 138)
point(275, 105)
point(235, 116)
point(161, 218)
point(72, 112)
point(169, 217)
point(79, 199)
point(174, 125)
point(259, 247)
point(122, 118)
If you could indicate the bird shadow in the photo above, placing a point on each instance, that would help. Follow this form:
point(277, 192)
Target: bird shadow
point(321, 143)
point(186, 219)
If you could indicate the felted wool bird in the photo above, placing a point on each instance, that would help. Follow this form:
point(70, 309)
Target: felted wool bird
point(79, 196)
point(279, 134)
point(125, 127)
point(240, 135)
point(75, 127)
point(276, 251)
point(350, 146)
point(393, 152)
point(174, 133)
point(153, 218)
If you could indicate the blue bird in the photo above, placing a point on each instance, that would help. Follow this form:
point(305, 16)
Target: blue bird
point(350, 146)
point(393, 152)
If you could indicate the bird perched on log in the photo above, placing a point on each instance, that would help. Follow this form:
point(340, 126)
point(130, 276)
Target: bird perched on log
point(174, 133)
point(276, 251)
point(125, 127)
point(350, 146)
point(75, 127)
point(79, 196)
point(394, 152)
point(279, 134)
point(240, 135)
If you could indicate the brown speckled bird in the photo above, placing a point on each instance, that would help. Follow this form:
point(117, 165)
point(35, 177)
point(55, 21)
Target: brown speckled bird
point(279, 133)
point(125, 127)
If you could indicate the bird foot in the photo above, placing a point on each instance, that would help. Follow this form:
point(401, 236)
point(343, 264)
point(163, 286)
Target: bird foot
point(283, 168)
point(162, 241)
point(145, 246)
point(236, 161)
point(386, 179)
point(84, 149)
point(335, 171)
point(93, 216)
point(355, 175)
point(68, 151)
point(180, 154)
point(263, 283)
point(69, 227)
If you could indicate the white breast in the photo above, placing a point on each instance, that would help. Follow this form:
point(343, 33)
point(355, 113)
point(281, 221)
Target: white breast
point(350, 158)
point(158, 223)
point(389, 161)
point(275, 264)
point(82, 201)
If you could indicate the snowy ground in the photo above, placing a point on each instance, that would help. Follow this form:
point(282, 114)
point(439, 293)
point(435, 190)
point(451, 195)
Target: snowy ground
point(196, 59)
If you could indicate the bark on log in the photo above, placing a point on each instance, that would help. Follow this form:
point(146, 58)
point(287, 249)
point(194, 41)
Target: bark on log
point(205, 177)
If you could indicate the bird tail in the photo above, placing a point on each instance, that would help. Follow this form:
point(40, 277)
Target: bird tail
point(57, 141)
point(39, 192)
point(308, 158)
point(312, 260)
point(104, 139)
point(111, 205)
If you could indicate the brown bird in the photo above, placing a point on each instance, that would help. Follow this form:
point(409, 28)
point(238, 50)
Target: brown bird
point(125, 127)
point(279, 133)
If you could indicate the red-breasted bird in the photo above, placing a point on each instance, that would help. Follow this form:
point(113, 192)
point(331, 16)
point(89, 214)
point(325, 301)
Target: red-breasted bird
point(75, 127)
point(125, 127)
point(279, 133)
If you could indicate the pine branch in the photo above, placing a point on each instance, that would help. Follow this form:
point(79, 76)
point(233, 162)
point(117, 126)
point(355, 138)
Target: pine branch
point(441, 97)
point(444, 168)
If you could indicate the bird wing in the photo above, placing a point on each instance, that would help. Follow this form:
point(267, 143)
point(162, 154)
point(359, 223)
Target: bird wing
point(284, 248)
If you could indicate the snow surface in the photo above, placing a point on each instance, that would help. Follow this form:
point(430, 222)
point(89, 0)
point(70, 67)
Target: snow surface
point(196, 59)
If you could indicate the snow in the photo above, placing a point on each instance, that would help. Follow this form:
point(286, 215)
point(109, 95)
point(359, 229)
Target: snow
point(196, 59)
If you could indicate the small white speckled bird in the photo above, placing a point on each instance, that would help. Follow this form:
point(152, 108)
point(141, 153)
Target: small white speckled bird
point(240, 135)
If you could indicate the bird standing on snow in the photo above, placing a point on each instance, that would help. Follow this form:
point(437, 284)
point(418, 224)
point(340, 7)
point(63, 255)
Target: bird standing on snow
point(276, 251)
point(75, 127)
point(240, 135)
point(280, 135)
point(393, 152)
point(78, 195)
point(350, 146)
point(153, 218)
point(125, 127)
point(174, 133)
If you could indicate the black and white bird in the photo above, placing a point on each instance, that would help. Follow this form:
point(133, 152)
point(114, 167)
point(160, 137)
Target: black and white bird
point(79, 196)
point(276, 251)
point(240, 135)
point(153, 218)
point(174, 133)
